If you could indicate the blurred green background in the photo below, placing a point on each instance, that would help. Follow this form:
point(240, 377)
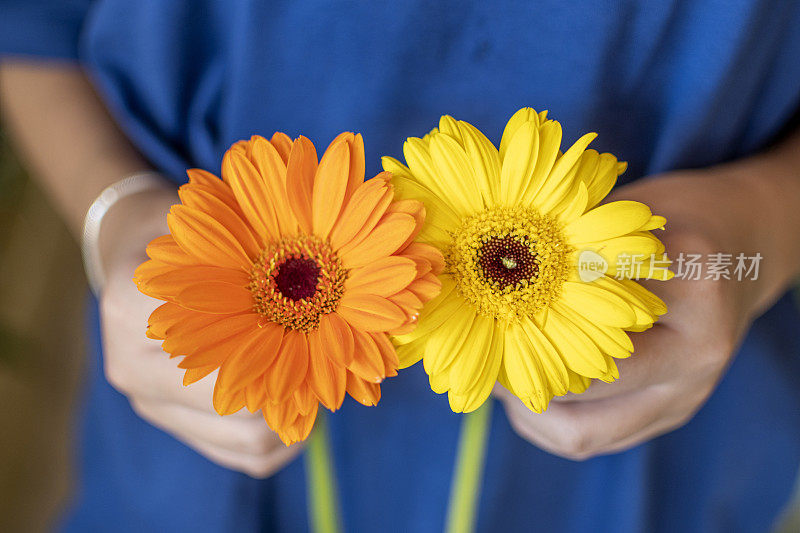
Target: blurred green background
point(42, 356)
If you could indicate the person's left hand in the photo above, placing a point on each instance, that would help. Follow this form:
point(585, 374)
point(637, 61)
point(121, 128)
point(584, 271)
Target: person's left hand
point(677, 363)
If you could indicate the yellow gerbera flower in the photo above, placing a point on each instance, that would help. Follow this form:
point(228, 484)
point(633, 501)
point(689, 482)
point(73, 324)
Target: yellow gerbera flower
point(514, 225)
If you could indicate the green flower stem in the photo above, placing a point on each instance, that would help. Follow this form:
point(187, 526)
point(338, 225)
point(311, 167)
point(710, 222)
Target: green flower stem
point(323, 506)
point(468, 474)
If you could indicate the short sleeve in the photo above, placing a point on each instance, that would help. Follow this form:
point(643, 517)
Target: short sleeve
point(47, 28)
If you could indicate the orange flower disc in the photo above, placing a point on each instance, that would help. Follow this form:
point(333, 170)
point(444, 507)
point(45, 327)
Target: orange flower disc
point(287, 276)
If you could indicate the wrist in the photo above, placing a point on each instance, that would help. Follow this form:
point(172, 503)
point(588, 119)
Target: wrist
point(768, 219)
point(131, 224)
point(121, 221)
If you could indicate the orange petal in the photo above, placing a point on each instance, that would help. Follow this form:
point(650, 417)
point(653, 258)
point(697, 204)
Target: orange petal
point(388, 353)
point(367, 204)
point(283, 144)
point(206, 239)
point(227, 402)
point(208, 203)
point(166, 250)
point(252, 359)
point(301, 168)
point(325, 377)
point(215, 342)
point(173, 282)
point(149, 270)
point(184, 337)
point(206, 181)
point(269, 164)
point(223, 193)
point(384, 277)
point(304, 423)
point(337, 338)
point(198, 176)
point(413, 208)
point(367, 361)
point(363, 391)
point(290, 367)
point(427, 287)
point(370, 313)
point(193, 375)
point(385, 239)
point(251, 193)
point(330, 184)
point(255, 395)
point(304, 398)
point(217, 297)
point(163, 317)
point(357, 171)
point(426, 251)
point(408, 302)
point(290, 425)
point(373, 214)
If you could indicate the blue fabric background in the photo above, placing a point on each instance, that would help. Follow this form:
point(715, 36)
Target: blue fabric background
point(667, 84)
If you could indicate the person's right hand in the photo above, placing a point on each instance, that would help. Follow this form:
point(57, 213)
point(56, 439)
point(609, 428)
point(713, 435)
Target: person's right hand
point(138, 368)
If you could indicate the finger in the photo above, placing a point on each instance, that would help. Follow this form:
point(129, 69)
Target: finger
point(235, 433)
point(254, 466)
point(582, 429)
point(143, 370)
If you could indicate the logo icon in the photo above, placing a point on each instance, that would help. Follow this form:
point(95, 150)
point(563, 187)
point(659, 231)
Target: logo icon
point(591, 266)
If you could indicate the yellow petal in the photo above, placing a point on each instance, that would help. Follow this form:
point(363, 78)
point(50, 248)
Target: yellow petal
point(611, 340)
point(445, 343)
point(524, 115)
point(655, 222)
point(484, 159)
point(523, 369)
point(435, 312)
point(440, 219)
point(607, 221)
point(420, 162)
point(598, 304)
point(518, 163)
point(604, 177)
point(578, 352)
point(487, 377)
point(471, 359)
point(560, 181)
point(550, 358)
point(454, 172)
point(549, 150)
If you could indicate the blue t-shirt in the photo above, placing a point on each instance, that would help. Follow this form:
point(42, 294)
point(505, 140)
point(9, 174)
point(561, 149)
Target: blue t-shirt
point(667, 84)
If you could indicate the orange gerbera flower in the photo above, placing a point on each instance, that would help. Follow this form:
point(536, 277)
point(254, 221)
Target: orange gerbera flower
point(287, 275)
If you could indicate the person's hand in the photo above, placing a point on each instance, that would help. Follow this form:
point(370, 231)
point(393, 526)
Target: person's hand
point(677, 363)
point(137, 367)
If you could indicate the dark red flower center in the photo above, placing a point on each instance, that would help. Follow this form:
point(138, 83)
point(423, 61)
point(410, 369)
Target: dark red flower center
point(297, 278)
point(507, 261)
